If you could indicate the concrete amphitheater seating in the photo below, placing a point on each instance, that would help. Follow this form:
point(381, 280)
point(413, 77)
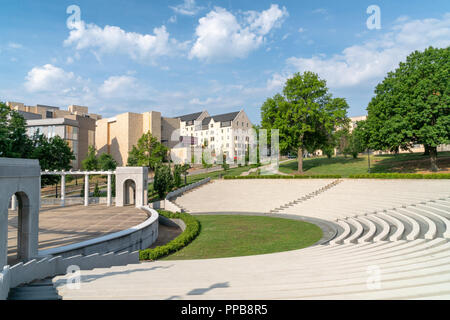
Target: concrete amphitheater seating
point(391, 243)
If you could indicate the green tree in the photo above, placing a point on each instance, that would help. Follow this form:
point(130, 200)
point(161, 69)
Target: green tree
point(305, 115)
point(106, 162)
point(163, 180)
point(14, 141)
point(177, 175)
point(90, 163)
point(148, 152)
point(97, 192)
point(53, 154)
point(411, 105)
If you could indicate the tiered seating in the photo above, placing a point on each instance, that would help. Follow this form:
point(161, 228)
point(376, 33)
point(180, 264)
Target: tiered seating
point(392, 243)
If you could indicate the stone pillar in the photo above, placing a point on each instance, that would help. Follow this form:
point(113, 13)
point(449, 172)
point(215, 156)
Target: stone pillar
point(13, 202)
point(86, 190)
point(63, 190)
point(109, 198)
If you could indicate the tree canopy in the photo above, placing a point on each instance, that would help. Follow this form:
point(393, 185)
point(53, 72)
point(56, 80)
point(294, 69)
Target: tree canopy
point(305, 114)
point(14, 141)
point(412, 104)
point(149, 152)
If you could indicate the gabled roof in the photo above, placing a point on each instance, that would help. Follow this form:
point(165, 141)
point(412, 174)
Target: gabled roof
point(190, 117)
point(225, 117)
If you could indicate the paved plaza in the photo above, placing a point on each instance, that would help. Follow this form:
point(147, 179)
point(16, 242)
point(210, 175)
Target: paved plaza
point(59, 226)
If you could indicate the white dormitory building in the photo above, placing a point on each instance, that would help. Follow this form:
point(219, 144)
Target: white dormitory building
point(228, 134)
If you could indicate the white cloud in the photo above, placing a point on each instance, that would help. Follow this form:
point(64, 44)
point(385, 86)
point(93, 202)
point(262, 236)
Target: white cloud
point(50, 78)
point(187, 8)
point(363, 63)
point(221, 37)
point(14, 45)
point(119, 86)
point(301, 30)
point(112, 39)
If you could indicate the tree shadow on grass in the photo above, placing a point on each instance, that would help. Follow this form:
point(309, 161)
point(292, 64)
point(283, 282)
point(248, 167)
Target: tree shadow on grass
point(409, 163)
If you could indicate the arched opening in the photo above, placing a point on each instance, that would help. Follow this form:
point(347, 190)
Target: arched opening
point(19, 229)
point(129, 192)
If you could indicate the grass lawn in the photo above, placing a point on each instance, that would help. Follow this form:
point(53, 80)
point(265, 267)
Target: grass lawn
point(214, 175)
point(232, 235)
point(402, 163)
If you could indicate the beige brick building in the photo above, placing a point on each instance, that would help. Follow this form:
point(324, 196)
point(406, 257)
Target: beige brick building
point(75, 125)
point(118, 135)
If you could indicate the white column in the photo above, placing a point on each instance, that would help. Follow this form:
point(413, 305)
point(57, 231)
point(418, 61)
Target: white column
point(63, 190)
point(86, 190)
point(13, 202)
point(109, 199)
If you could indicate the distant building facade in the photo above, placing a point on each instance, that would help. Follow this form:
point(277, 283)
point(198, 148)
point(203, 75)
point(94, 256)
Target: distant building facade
point(76, 126)
point(118, 135)
point(223, 134)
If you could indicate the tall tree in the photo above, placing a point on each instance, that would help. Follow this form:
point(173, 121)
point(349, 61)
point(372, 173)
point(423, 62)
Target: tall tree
point(90, 163)
point(412, 105)
point(305, 114)
point(53, 154)
point(14, 141)
point(149, 152)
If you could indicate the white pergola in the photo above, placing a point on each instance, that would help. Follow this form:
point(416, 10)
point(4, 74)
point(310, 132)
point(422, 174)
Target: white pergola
point(86, 183)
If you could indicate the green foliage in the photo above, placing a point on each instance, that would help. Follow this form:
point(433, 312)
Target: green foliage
point(177, 169)
point(190, 233)
point(106, 162)
point(97, 192)
point(411, 105)
point(14, 141)
point(163, 180)
point(148, 152)
point(90, 163)
point(279, 176)
point(306, 114)
point(401, 176)
point(53, 154)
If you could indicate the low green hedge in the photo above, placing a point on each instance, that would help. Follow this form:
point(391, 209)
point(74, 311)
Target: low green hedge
point(190, 233)
point(401, 176)
point(279, 176)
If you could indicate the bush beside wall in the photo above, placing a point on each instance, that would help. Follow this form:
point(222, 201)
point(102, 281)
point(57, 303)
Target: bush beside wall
point(401, 176)
point(277, 176)
point(189, 234)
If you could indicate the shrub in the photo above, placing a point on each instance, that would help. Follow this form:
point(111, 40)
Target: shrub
point(401, 176)
point(97, 193)
point(190, 233)
point(277, 176)
point(163, 180)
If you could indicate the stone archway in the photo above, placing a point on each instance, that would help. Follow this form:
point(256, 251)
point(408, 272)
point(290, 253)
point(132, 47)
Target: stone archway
point(129, 192)
point(139, 175)
point(22, 178)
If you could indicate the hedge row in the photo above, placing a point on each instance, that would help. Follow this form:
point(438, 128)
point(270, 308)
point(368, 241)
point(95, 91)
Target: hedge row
point(278, 176)
point(401, 176)
point(190, 233)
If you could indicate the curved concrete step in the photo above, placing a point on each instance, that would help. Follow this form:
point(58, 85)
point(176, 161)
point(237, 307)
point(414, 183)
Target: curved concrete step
point(415, 228)
point(372, 229)
point(344, 235)
point(385, 228)
point(400, 227)
point(358, 230)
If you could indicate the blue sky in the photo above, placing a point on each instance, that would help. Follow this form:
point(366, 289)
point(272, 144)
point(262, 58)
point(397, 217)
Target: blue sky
point(182, 56)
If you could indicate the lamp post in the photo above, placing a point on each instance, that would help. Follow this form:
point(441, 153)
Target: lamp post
point(368, 160)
